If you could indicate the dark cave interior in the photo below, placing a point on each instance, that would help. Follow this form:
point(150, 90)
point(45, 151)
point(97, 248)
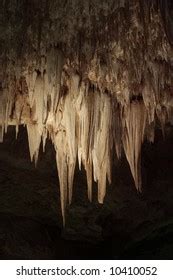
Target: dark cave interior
point(128, 224)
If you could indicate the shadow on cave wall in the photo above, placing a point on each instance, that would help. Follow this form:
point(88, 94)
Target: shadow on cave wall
point(127, 225)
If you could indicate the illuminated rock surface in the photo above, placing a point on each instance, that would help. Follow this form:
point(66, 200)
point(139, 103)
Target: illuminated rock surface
point(94, 77)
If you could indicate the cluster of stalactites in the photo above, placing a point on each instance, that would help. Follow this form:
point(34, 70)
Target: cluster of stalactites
point(84, 124)
point(92, 91)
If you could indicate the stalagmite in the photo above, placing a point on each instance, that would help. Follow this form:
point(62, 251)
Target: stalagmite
point(94, 77)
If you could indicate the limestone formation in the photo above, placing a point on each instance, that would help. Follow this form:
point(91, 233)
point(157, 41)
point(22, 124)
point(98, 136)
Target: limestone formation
point(93, 76)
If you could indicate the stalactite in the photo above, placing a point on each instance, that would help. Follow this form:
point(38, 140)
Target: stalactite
point(64, 139)
point(96, 80)
point(101, 143)
point(85, 112)
point(2, 117)
point(134, 122)
point(34, 139)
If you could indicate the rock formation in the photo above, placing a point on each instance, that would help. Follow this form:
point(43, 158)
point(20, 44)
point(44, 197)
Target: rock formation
point(93, 76)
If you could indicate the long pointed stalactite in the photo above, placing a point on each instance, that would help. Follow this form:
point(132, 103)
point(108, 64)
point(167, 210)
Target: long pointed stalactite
point(93, 76)
point(133, 136)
